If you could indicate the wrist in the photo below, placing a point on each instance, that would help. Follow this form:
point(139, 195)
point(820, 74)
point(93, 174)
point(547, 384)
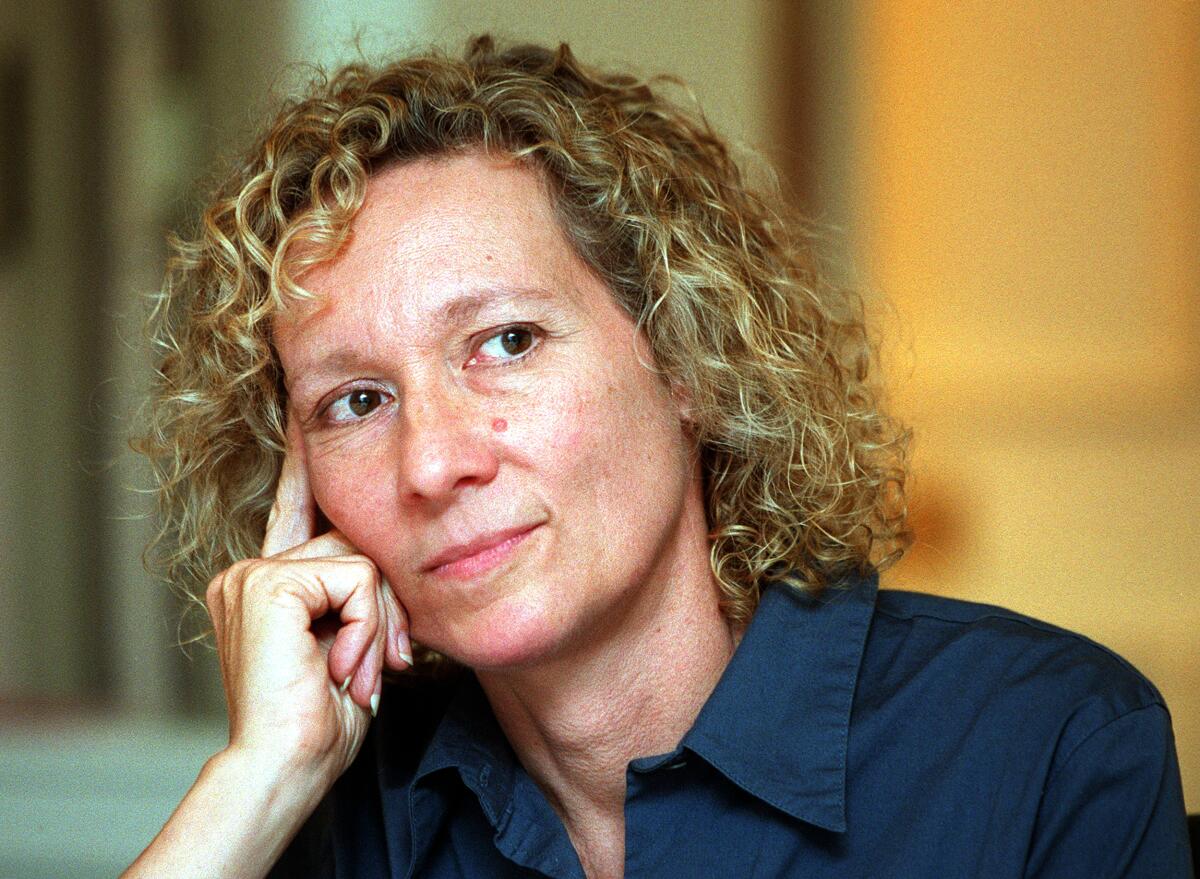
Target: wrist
point(236, 820)
point(269, 782)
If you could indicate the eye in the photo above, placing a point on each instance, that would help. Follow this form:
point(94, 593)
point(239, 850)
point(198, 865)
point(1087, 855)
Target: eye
point(508, 344)
point(357, 404)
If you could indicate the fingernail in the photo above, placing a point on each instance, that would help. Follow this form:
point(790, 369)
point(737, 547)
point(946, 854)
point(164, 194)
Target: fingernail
point(404, 647)
point(374, 704)
point(346, 684)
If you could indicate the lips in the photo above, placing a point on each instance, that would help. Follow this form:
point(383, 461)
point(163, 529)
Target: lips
point(479, 553)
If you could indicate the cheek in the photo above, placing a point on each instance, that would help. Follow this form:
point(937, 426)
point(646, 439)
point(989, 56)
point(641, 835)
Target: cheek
point(621, 425)
point(575, 440)
point(613, 445)
point(349, 490)
point(543, 428)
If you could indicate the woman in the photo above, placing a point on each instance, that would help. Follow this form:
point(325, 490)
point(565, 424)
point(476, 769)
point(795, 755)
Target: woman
point(501, 357)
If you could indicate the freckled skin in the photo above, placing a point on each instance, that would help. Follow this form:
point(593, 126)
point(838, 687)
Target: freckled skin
point(588, 444)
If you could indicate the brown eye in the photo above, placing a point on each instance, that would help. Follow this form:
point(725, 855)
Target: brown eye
point(516, 341)
point(362, 402)
point(508, 344)
point(355, 405)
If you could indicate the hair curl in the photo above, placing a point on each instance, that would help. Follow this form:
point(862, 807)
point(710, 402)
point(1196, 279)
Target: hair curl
point(804, 473)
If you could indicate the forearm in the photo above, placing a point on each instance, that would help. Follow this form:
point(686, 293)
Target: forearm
point(234, 822)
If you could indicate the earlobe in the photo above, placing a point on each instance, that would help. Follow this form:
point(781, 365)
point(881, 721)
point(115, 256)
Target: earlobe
point(681, 396)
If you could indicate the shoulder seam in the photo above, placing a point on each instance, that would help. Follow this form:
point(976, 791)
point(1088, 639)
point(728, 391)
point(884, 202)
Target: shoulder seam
point(1122, 716)
point(993, 612)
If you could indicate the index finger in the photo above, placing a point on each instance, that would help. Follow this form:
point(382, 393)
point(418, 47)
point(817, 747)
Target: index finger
point(293, 515)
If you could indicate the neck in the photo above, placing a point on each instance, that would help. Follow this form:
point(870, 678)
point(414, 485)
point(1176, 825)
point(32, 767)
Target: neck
point(576, 721)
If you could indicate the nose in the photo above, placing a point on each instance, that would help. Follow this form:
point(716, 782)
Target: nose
point(445, 447)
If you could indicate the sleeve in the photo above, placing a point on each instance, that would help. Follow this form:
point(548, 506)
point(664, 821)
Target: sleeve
point(1114, 806)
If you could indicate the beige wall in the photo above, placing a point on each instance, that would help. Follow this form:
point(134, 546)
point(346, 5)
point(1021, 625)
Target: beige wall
point(1028, 196)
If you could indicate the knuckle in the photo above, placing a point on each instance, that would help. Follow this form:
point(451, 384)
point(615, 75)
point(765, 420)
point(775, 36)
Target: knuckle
point(239, 567)
point(215, 587)
point(258, 575)
point(364, 568)
point(236, 574)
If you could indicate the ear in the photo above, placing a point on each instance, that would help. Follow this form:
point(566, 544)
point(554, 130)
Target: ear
point(681, 396)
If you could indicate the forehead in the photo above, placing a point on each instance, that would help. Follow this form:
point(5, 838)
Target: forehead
point(441, 228)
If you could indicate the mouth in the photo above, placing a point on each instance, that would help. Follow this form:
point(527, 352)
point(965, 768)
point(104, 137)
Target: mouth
point(479, 555)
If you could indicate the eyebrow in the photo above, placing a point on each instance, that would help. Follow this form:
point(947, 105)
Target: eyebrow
point(469, 304)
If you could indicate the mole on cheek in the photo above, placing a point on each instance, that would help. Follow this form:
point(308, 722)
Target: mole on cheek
point(499, 425)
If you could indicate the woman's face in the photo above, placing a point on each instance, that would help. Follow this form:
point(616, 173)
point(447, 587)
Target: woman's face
point(477, 421)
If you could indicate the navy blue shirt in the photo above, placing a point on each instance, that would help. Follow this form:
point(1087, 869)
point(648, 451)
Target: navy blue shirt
point(853, 734)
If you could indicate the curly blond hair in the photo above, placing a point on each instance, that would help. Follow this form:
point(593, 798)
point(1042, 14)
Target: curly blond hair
point(804, 473)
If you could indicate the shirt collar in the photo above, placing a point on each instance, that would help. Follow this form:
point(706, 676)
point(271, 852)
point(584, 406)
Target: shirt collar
point(469, 739)
point(778, 722)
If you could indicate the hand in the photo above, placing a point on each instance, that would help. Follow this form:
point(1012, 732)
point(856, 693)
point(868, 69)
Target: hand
point(303, 634)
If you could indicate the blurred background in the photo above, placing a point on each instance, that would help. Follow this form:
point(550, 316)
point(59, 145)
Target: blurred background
point(1016, 186)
